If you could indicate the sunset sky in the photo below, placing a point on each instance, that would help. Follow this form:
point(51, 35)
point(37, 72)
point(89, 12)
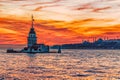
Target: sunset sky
point(59, 21)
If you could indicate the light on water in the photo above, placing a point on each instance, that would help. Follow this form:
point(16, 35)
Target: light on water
point(68, 65)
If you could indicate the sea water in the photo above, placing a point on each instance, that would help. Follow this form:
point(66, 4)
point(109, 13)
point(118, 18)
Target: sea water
point(68, 65)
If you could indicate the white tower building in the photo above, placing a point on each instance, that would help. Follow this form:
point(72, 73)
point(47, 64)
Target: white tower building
point(32, 39)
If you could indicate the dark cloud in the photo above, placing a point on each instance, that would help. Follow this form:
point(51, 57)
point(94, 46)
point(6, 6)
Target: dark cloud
point(84, 6)
point(93, 9)
point(101, 9)
point(90, 6)
point(41, 7)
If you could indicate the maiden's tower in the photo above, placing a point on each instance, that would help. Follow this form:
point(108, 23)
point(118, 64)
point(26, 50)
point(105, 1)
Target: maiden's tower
point(32, 46)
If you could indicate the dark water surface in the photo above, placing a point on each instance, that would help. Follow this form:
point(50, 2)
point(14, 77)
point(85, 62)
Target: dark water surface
point(69, 65)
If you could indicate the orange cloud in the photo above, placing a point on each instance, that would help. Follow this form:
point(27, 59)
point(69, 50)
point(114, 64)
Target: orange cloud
point(4, 30)
point(53, 32)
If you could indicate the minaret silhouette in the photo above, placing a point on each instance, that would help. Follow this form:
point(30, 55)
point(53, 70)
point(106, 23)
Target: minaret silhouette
point(32, 39)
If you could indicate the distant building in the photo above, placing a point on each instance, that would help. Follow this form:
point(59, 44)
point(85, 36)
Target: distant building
point(32, 46)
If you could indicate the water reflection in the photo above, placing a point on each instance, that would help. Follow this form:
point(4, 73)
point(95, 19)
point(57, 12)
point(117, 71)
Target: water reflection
point(31, 59)
point(69, 65)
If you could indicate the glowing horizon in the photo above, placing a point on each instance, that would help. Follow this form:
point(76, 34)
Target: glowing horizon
point(59, 21)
